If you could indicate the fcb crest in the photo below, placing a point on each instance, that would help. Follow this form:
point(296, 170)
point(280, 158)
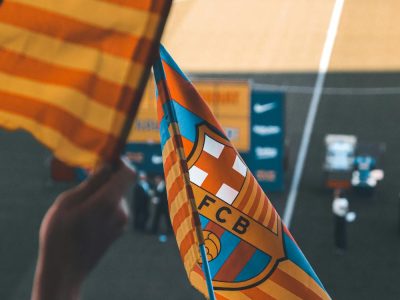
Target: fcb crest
point(242, 231)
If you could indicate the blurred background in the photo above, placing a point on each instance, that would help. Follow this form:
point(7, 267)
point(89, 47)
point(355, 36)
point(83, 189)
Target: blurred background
point(256, 63)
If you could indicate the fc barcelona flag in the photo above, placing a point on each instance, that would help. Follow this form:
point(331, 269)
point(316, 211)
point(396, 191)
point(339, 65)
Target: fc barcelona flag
point(73, 72)
point(251, 253)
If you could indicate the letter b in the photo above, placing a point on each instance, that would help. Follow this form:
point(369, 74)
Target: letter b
point(241, 225)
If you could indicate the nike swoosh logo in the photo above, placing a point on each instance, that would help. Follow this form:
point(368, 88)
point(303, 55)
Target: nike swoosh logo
point(266, 130)
point(262, 108)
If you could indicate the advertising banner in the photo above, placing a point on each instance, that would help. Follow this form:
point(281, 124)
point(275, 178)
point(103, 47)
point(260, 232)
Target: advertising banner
point(266, 157)
point(228, 100)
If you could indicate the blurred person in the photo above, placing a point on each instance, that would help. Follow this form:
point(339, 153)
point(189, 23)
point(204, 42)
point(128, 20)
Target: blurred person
point(140, 203)
point(78, 229)
point(161, 210)
point(364, 164)
point(340, 209)
point(144, 181)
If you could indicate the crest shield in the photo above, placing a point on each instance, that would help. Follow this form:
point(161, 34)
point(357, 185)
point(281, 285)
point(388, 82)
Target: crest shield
point(243, 245)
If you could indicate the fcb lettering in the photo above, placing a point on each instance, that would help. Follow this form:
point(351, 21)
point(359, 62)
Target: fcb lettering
point(223, 214)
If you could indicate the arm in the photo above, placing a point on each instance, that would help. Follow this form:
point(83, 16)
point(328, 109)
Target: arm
point(77, 230)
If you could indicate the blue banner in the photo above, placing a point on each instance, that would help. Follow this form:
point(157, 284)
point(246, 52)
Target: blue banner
point(146, 157)
point(266, 155)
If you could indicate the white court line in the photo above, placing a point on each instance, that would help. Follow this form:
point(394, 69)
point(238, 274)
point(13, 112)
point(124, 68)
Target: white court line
point(312, 111)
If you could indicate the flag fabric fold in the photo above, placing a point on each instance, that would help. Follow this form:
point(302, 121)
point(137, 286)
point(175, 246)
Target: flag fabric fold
point(73, 72)
point(251, 253)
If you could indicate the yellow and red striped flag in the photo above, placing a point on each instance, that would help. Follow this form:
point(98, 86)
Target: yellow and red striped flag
point(251, 253)
point(73, 72)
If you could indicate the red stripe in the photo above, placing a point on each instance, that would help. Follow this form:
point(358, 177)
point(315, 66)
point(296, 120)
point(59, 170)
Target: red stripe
point(162, 96)
point(198, 270)
point(220, 297)
point(247, 195)
point(169, 161)
point(235, 262)
point(174, 189)
point(182, 213)
point(183, 92)
point(103, 39)
point(160, 110)
point(215, 228)
point(292, 285)
point(256, 293)
point(187, 146)
point(186, 243)
point(264, 209)
point(256, 201)
point(272, 219)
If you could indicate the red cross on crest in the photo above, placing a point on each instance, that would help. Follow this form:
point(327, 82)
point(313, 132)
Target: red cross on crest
point(218, 169)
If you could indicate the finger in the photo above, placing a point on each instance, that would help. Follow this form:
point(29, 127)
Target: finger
point(110, 193)
point(117, 222)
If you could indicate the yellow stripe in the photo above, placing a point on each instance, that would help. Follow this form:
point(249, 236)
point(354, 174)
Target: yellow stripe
point(258, 210)
point(94, 114)
point(120, 18)
point(297, 273)
point(198, 282)
point(183, 229)
point(57, 52)
point(177, 204)
point(168, 148)
point(274, 290)
point(277, 220)
point(191, 258)
point(269, 213)
point(172, 175)
point(175, 170)
point(64, 149)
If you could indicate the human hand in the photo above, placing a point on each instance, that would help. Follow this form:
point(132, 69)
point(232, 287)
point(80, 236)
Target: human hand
point(77, 230)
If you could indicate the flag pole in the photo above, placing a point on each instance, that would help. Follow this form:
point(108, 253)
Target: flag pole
point(127, 126)
point(174, 129)
point(207, 273)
